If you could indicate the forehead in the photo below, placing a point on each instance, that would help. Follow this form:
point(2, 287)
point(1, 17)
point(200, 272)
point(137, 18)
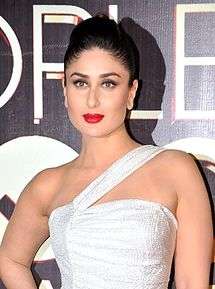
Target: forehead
point(99, 61)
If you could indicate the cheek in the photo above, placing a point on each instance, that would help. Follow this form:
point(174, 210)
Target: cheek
point(119, 99)
point(74, 101)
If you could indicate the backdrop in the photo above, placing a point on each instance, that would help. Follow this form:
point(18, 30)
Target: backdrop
point(175, 106)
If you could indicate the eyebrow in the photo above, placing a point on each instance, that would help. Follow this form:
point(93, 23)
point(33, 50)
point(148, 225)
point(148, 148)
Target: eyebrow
point(101, 75)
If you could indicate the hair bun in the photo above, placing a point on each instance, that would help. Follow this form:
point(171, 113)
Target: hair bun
point(102, 15)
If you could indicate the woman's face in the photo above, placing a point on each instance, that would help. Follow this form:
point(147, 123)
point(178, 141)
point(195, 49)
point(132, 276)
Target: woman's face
point(97, 83)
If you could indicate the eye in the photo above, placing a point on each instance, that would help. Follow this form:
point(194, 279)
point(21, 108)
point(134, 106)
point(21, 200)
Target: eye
point(109, 83)
point(79, 83)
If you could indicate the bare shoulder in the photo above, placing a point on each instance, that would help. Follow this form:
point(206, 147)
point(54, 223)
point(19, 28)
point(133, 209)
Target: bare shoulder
point(180, 166)
point(49, 176)
point(176, 155)
point(188, 182)
point(174, 161)
point(43, 186)
point(178, 160)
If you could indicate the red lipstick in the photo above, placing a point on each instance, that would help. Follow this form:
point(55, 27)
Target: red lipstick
point(93, 118)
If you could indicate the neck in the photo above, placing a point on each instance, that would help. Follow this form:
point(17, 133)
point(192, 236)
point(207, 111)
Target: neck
point(99, 152)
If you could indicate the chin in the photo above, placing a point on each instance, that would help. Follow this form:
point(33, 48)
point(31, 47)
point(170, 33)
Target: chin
point(100, 129)
point(99, 132)
point(95, 132)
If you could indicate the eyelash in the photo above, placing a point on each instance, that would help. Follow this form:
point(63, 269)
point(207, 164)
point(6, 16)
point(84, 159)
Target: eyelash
point(77, 82)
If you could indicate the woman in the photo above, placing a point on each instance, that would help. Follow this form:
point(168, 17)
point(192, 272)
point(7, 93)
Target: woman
point(114, 215)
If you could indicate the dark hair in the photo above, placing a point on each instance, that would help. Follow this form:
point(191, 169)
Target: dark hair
point(102, 32)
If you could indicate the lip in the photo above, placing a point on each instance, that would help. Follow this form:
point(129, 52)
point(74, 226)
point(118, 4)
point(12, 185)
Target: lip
point(93, 118)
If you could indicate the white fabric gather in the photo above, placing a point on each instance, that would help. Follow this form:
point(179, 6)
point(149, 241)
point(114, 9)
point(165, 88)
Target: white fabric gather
point(121, 244)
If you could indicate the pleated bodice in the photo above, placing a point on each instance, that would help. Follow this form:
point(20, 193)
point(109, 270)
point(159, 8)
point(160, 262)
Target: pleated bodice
point(120, 244)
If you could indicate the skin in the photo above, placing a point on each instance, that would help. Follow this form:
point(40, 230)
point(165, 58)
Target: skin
point(95, 93)
point(179, 186)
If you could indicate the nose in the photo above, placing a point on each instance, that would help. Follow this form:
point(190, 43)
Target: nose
point(92, 98)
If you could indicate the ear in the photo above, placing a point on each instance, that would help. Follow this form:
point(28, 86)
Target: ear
point(64, 91)
point(132, 93)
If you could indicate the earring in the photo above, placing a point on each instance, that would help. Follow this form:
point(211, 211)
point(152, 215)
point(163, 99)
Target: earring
point(129, 107)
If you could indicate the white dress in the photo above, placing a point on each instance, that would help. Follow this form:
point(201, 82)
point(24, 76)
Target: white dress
point(121, 244)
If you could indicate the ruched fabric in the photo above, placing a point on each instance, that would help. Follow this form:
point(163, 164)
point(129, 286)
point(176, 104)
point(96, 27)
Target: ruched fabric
point(120, 244)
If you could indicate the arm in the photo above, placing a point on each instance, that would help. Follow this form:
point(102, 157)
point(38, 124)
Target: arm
point(25, 232)
point(193, 254)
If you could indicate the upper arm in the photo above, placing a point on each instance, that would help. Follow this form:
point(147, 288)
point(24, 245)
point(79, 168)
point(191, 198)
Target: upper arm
point(193, 253)
point(28, 225)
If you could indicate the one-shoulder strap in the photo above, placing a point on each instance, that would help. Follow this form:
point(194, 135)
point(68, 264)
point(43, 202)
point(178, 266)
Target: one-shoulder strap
point(115, 174)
